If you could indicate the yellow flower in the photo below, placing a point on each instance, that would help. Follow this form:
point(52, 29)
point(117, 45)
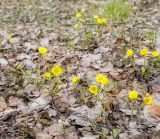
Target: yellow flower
point(148, 99)
point(47, 75)
point(132, 94)
point(56, 70)
point(74, 79)
point(42, 50)
point(95, 17)
point(155, 53)
point(19, 67)
point(93, 89)
point(101, 78)
point(129, 52)
point(9, 37)
point(101, 20)
point(78, 15)
point(143, 51)
point(82, 20)
point(76, 26)
point(143, 70)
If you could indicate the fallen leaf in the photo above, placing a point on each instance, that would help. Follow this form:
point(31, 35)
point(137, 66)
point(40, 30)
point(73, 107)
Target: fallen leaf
point(3, 62)
point(32, 91)
point(3, 104)
point(14, 101)
point(54, 130)
point(43, 136)
point(61, 103)
point(154, 110)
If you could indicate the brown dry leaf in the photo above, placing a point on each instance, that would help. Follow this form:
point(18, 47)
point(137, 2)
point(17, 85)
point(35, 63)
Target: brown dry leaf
point(119, 40)
point(70, 60)
point(107, 68)
point(45, 119)
point(54, 130)
point(154, 110)
point(68, 136)
point(14, 101)
point(156, 84)
point(123, 74)
point(61, 103)
point(32, 91)
point(43, 136)
point(3, 104)
point(50, 56)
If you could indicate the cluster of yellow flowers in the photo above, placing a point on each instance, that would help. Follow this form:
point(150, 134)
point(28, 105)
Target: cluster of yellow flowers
point(99, 20)
point(143, 52)
point(56, 70)
point(133, 94)
point(100, 78)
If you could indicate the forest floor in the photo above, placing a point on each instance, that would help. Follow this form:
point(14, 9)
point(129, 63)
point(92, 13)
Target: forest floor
point(107, 84)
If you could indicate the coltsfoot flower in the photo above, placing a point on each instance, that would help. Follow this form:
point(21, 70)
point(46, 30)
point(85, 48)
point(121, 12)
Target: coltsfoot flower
point(42, 50)
point(9, 37)
point(148, 99)
point(143, 70)
point(93, 89)
point(47, 75)
point(95, 17)
point(78, 15)
point(56, 70)
point(132, 94)
point(143, 51)
point(129, 52)
point(155, 53)
point(76, 26)
point(74, 79)
point(101, 78)
point(82, 20)
point(101, 20)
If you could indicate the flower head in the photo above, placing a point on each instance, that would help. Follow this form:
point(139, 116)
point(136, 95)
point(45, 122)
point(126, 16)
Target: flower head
point(143, 70)
point(56, 70)
point(101, 78)
point(9, 37)
point(82, 20)
point(42, 50)
point(155, 53)
point(132, 94)
point(76, 26)
point(143, 51)
point(101, 20)
point(95, 17)
point(93, 89)
point(78, 15)
point(19, 67)
point(148, 99)
point(74, 79)
point(47, 75)
point(129, 52)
